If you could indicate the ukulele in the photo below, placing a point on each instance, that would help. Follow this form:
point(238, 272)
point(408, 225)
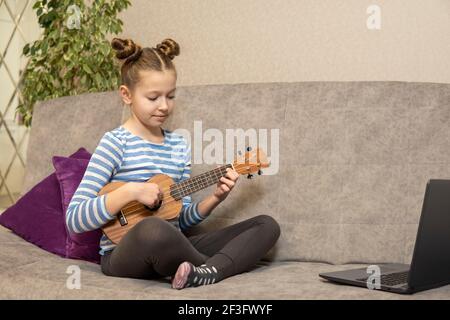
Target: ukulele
point(170, 205)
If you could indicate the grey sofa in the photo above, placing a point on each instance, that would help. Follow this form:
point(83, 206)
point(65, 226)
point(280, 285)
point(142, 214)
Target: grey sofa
point(354, 159)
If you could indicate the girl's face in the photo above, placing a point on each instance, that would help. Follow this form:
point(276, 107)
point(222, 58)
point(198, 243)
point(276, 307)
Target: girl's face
point(152, 100)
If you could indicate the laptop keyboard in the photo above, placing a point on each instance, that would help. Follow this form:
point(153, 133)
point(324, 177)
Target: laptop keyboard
point(391, 279)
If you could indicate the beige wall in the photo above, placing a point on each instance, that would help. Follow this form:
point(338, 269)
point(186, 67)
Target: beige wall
point(235, 41)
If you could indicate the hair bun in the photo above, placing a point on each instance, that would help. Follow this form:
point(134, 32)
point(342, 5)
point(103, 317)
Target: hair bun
point(126, 49)
point(169, 47)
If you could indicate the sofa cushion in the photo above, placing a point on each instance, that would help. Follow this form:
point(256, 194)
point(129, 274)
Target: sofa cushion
point(27, 272)
point(353, 157)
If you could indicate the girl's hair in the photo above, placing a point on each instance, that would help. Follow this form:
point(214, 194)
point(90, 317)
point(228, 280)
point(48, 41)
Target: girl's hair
point(135, 58)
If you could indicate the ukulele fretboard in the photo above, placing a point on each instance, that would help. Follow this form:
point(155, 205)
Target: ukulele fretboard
point(199, 182)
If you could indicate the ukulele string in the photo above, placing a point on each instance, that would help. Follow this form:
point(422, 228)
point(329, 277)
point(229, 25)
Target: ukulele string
point(178, 188)
point(167, 195)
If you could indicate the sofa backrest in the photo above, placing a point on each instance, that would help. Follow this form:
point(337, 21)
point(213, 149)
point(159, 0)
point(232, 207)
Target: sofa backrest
point(353, 158)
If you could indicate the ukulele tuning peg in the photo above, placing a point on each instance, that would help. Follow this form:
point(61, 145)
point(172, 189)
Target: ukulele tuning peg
point(249, 148)
point(249, 176)
point(259, 172)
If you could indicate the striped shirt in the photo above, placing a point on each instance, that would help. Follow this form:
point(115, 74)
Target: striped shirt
point(123, 156)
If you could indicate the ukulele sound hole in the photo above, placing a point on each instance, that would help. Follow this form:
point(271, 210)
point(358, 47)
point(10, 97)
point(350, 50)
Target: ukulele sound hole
point(155, 207)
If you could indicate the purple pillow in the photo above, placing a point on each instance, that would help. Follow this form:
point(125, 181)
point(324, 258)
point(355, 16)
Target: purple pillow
point(38, 217)
point(69, 172)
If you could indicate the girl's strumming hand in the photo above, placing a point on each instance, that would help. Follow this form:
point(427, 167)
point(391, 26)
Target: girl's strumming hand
point(147, 193)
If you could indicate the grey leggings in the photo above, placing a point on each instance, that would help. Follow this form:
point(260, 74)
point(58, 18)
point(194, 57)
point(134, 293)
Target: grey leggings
point(155, 248)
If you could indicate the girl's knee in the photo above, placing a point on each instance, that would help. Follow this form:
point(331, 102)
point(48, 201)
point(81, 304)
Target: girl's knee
point(150, 222)
point(270, 223)
point(154, 231)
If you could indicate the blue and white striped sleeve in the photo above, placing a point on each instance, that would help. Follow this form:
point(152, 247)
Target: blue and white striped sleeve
point(86, 210)
point(189, 215)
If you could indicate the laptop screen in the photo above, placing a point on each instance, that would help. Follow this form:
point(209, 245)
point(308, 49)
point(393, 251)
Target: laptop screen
point(431, 258)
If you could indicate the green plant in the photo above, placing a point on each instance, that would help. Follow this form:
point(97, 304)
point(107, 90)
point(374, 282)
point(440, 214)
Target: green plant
point(73, 56)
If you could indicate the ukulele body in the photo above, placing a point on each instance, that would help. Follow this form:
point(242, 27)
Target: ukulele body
point(134, 212)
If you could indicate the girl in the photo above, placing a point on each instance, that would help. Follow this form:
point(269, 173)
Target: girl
point(141, 148)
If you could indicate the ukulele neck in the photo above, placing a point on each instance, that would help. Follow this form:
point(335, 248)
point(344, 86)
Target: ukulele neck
point(199, 182)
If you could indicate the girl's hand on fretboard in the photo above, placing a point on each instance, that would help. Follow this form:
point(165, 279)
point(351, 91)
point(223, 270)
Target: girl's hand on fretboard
point(226, 184)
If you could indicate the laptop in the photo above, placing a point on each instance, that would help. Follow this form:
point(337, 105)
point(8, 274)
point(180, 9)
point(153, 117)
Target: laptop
point(430, 265)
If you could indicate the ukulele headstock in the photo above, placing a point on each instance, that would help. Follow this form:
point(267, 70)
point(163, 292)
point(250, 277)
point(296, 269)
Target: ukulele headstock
point(252, 161)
